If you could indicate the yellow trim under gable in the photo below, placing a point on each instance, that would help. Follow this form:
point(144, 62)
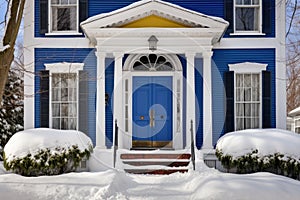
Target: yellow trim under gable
point(154, 21)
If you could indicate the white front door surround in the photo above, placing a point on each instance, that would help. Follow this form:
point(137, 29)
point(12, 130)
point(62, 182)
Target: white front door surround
point(177, 76)
point(197, 39)
point(122, 75)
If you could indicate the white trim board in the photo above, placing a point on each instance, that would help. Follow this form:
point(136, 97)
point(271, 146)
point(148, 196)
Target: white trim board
point(247, 67)
point(64, 67)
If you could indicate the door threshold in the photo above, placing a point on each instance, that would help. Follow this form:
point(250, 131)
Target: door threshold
point(151, 149)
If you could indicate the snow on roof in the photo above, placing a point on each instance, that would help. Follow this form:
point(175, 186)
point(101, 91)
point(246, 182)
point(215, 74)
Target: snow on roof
point(145, 2)
point(266, 141)
point(295, 112)
point(32, 140)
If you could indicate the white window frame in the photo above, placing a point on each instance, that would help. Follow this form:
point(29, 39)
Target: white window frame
point(295, 124)
point(248, 68)
point(50, 20)
point(250, 32)
point(63, 68)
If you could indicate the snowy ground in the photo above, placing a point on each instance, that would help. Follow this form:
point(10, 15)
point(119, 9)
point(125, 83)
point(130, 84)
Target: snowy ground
point(204, 183)
point(112, 184)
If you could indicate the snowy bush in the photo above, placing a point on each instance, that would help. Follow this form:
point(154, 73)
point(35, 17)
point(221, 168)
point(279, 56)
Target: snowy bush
point(43, 151)
point(11, 112)
point(269, 150)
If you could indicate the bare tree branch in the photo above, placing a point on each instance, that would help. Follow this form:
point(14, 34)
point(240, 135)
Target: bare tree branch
point(292, 18)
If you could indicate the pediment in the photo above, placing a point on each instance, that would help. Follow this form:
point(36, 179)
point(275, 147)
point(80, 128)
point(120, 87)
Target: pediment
point(135, 13)
point(148, 17)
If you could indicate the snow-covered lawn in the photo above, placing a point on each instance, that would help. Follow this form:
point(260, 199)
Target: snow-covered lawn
point(113, 184)
point(204, 183)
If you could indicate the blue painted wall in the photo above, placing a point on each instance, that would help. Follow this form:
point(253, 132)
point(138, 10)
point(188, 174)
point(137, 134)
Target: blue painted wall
point(199, 101)
point(184, 128)
point(109, 88)
point(221, 59)
point(86, 56)
point(209, 7)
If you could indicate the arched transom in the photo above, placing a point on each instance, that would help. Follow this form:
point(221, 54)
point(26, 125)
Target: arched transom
point(152, 62)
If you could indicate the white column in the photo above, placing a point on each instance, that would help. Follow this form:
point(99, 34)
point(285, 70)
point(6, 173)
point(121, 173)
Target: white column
point(29, 65)
point(118, 96)
point(207, 101)
point(100, 107)
point(190, 97)
point(280, 66)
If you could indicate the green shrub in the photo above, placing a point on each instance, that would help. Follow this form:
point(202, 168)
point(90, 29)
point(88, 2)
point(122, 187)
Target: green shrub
point(253, 162)
point(47, 162)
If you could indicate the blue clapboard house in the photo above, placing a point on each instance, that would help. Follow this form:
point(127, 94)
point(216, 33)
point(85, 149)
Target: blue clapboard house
point(155, 69)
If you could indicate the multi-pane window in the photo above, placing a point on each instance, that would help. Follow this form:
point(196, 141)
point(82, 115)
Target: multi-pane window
point(126, 105)
point(64, 15)
point(64, 101)
point(297, 125)
point(247, 15)
point(247, 104)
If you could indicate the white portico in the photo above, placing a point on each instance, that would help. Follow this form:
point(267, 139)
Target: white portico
point(125, 32)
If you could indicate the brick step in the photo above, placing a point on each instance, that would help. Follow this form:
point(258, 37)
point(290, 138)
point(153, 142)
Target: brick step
point(155, 171)
point(163, 163)
point(155, 163)
point(155, 156)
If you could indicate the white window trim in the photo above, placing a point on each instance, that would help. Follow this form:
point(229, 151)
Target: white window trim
point(51, 32)
point(248, 68)
point(297, 118)
point(63, 67)
point(251, 32)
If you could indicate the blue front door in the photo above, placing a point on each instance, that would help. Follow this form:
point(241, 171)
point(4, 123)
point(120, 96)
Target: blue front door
point(152, 112)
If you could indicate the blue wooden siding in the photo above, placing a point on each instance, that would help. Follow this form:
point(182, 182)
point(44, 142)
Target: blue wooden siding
point(86, 56)
point(109, 88)
point(199, 101)
point(184, 128)
point(214, 8)
point(221, 59)
point(208, 7)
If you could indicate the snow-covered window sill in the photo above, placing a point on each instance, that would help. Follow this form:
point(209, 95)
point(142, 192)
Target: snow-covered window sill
point(247, 34)
point(63, 34)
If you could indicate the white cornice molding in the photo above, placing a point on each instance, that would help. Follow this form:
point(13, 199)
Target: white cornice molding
point(64, 67)
point(247, 67)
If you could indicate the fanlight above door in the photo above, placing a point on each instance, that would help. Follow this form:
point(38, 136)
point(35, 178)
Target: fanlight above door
point(153, 62)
